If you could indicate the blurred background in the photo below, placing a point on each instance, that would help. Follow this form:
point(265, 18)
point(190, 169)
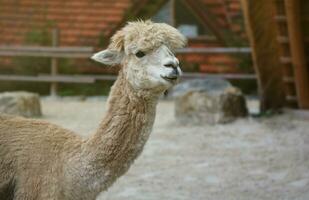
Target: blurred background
point(258, 146)
point(86, 26)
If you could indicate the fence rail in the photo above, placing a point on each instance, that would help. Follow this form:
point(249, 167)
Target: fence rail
point(49, 78)
point(215, 50)
point(54, 52)
point(93, 78)
point(86, 52)
point(51, 52)
point(225, 76)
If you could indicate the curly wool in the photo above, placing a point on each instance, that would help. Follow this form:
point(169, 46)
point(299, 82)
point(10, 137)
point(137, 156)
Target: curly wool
point(146, 36)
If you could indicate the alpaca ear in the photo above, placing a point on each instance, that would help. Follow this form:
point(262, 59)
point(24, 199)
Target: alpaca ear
point(108, 57)
point(113, 55)
point(117, 41)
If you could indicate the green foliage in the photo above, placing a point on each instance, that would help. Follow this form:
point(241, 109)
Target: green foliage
point(248, 87)
point(38, 36)
point(31, 65)
point(103, 41)
point(65, 89)
point(245, 64)
point(189, 66)
point(267, 114)
point(41, 88)
point(98, 88)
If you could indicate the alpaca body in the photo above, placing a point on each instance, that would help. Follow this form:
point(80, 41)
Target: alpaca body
point(54, 163)
point(42, 161)
point(33, 163)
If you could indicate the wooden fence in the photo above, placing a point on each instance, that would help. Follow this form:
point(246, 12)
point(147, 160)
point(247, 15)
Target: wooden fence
point(56, 52)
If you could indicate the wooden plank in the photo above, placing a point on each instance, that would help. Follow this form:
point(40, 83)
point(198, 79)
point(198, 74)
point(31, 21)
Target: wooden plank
point(93, 78)
point(48, 78)
point(288, 79)
point(47, 54)
point(216, 50)
point(173, 13)
point(285, 60)
point(280, 18)
point(57, 52)
point(208, 38)
point(262, 35)
point(80, 52)
point(301, 71)
point(103, 77)
point(68, 78)
point(186, 76)
point(46, 49)
point(224, 76)
point(283, 39)
point(54, 63)
point(291, 98)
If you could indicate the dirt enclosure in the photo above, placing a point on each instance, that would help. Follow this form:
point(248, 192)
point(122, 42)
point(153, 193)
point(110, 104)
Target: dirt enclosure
point(248, 159)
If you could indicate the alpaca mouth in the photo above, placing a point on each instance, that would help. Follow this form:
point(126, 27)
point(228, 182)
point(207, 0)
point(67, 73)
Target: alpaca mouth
point(171, 79)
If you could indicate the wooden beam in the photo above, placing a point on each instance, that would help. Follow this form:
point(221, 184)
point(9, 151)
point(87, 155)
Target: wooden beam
point(92, 78)
point(215, 50)
point(283, 39)
point(224, 76)
point(57, 52)
point(285, 60)
point(280, 18)
point(173, 13)
point(300, 67)
point(48, 78)
point(261, 30)
point(54, 63)
point(103, 77)
point(198, 9)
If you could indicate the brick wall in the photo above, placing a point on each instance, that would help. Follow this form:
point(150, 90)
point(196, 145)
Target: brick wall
point(88, 23)
point(82, 22)
point(228, 16)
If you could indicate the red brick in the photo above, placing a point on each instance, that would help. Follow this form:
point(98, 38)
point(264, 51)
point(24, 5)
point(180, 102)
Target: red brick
point(210, 68)
point(195, 58)
point(222, 59)
point(79, 20)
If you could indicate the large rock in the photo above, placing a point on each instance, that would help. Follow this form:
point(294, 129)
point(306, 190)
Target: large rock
point(208, 101)
point(20, 103)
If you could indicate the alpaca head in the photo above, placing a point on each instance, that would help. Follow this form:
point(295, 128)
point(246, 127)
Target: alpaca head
point(145, 50)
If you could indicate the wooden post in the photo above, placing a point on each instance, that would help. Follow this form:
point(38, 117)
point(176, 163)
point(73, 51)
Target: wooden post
point(54, 63)
point(262, 34)
point(300, 67)
point(173, 13)
point(197, 9)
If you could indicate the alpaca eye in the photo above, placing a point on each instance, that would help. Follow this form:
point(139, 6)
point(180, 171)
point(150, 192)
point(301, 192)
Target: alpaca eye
point(140, 54)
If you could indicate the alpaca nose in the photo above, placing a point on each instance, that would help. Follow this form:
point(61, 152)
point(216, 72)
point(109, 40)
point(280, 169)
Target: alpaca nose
point(175, 72)
point(174, 66)
point(171, 65)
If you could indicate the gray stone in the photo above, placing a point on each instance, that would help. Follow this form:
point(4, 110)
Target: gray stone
point(208, 101)
point(20, 103)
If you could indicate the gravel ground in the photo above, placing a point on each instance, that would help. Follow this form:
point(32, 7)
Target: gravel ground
point(249, 159)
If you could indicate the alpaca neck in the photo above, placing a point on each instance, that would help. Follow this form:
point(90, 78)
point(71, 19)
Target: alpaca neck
point(124, 130)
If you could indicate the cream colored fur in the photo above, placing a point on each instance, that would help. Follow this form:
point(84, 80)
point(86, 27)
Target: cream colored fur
point(42, 161)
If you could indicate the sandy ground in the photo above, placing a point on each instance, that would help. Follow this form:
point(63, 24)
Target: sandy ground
point(248, 159)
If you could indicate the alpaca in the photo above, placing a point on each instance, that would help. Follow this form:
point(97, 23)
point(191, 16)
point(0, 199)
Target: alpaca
point(42, 161)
